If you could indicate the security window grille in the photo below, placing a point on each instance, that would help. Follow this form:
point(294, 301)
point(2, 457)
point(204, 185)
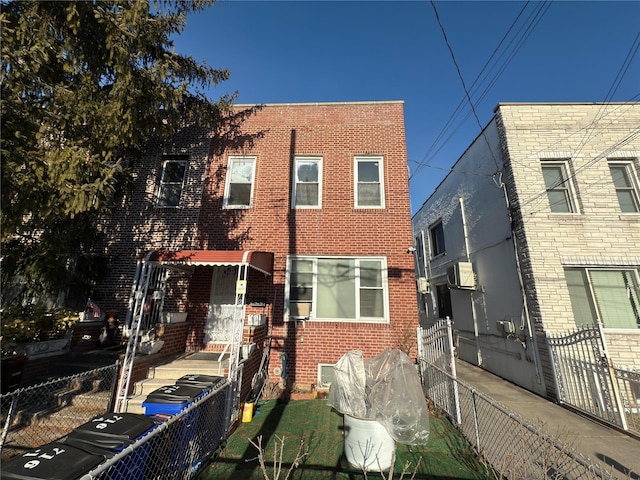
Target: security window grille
point(625, 183)
point(612, 296)
point(337, 288)
point(307, 185)
point(240, 180)
point(369, 185)
point(436, 232)
point(558, 186)
point(171, 182)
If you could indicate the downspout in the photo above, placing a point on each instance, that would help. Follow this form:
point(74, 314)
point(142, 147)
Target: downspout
point(525, 307)
point(474, 315)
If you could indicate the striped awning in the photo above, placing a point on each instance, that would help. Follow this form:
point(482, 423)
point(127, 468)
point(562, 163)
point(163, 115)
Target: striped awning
point(261, 261)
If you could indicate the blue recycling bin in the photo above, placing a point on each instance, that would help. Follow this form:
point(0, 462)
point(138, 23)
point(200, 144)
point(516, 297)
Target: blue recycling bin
point(52, 461)
point(171, 399)
point(110, 433)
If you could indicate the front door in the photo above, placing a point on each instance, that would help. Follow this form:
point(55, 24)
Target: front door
point(219, 327)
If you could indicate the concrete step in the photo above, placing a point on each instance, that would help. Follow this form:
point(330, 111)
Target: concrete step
point(134, 404)
point(179, 368)
point(145, 387)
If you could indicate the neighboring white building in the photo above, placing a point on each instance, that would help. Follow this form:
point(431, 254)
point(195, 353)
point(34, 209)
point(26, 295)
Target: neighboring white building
point(544, 205)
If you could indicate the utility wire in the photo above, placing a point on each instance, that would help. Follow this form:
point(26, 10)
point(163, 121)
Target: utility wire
point(530, 23)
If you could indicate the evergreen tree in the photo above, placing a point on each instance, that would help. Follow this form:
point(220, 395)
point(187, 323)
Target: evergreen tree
point(84, 85)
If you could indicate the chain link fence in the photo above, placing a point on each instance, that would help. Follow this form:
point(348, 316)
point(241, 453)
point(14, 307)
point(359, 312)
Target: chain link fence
point(42, 413)
point(516, 449)
point(512, 447)
point(176, 447)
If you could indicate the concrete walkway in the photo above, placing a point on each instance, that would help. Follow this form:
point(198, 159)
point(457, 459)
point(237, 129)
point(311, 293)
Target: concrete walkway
point(607, 447)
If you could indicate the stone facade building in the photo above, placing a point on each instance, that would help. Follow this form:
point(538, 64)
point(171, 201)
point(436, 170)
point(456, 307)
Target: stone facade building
point(536, 230)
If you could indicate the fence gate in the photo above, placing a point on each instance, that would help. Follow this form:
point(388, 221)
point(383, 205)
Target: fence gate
point(438, 367)
point(584, 375)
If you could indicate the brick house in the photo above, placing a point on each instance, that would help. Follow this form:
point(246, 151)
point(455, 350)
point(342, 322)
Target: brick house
point(537, 229)
point(311, 200)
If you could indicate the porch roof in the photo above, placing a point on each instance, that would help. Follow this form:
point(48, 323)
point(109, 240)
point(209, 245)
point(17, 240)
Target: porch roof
point(262, 261)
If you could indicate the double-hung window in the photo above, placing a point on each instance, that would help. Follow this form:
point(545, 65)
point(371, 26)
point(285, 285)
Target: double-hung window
point(436, 233)
point(240, 181)
point(558, 186)
point(171, 181)
point(337, 289)
point(307, 182)
point(625, 182)
point(369, 182)
point(610, 295)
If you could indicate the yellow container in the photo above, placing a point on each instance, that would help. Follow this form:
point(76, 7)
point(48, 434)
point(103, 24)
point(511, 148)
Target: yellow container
point(247, 412)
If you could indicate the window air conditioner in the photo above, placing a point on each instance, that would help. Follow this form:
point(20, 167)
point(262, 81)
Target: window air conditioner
point(461, 275)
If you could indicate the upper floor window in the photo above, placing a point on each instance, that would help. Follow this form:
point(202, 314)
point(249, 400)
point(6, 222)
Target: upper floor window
point(558, 185)
point(337, 289)
point(369, 184)
point(307, 183)
point(625, 182)
point(172, 181)
point(436, 232)
point(240, 180)
point(609, 295)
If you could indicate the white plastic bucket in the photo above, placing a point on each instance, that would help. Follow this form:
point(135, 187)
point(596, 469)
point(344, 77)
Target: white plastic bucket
point(367, 444)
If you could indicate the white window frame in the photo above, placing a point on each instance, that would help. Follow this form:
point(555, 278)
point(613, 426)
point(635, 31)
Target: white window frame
point(313, 311)
point(592, 299)
point(356, 180)
point(296, 181)
point(631, 176)
point(165, 184)
point(566, 186)
point(230, 162)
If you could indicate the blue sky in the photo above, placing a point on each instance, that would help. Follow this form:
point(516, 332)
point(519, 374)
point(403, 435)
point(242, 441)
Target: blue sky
point(338, 51)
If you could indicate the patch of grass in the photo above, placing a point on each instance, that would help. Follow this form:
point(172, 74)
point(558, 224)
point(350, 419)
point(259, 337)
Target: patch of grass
point(447, 455)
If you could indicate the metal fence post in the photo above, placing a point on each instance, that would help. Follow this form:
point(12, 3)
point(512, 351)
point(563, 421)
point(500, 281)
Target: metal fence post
point(9, 420)
point(612, 379)
point(475, 419)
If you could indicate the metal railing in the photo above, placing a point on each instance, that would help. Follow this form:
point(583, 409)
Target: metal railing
point(42, 413)
point(587, 380)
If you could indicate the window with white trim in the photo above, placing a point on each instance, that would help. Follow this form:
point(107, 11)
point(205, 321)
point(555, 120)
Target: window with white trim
point(171, 182)
point(369, 182)
point(307, 182)
point(337, 289)
point(610, 295)
point(240, 180)
point(559, 186)
point(626, 185)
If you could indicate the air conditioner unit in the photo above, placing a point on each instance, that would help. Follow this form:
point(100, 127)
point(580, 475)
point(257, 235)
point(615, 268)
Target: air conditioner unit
point(423, 285)
point(461, 274)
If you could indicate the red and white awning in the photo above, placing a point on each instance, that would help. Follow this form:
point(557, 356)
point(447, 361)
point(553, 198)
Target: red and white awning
point(261, 261)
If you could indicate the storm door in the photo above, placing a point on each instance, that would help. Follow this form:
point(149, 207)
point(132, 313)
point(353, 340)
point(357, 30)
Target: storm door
point(219, 326)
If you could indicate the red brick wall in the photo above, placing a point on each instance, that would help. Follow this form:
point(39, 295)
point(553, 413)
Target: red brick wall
point(336, 132)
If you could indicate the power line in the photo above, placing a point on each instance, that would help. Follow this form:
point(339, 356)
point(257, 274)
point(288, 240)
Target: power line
point(523, 33)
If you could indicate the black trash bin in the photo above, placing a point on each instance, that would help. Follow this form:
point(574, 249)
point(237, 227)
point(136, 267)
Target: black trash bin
point(12, 368)
point(110, 433)
point(207, 382)
point(53, 461)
